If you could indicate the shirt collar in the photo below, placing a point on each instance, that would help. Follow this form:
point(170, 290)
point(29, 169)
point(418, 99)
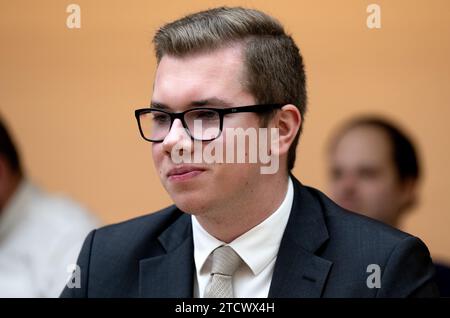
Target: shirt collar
point(257, 247)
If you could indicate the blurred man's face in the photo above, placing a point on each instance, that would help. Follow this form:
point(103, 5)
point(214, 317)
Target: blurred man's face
point(203, 80)
point(363, 177)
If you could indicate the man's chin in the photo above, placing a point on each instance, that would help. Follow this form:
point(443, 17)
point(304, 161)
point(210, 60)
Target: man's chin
point(191, 203)
point(192, 209)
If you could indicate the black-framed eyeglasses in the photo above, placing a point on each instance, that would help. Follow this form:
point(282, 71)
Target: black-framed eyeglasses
point(203, 124)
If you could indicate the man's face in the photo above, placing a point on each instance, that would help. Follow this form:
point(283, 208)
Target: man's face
point(363, 177)
point(210, 80)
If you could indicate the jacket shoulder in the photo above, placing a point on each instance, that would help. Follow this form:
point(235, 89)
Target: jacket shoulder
point(129, 237)
point(115, 251)
point(358, 244)
point(151, 222)
point(353, 225)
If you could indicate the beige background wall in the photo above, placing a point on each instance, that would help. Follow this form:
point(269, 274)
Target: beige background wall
point(69, 95)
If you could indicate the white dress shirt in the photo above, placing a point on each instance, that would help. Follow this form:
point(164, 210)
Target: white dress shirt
point(40, 235)
point(258, 248)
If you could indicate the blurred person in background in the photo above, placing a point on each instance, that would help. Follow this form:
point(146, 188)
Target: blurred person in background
point(374, 170)
point(40, 234)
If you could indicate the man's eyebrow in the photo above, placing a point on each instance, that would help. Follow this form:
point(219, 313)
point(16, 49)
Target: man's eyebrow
point(214, 101)
point(159, 105)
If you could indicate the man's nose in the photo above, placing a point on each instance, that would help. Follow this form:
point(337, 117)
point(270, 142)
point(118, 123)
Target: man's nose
point(177, 136)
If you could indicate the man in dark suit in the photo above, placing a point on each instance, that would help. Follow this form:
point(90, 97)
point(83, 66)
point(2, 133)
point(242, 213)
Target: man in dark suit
point(375, 171)
point(240, 229)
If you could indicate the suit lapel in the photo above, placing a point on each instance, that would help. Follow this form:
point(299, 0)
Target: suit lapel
point(170, 275)
point(299, 272)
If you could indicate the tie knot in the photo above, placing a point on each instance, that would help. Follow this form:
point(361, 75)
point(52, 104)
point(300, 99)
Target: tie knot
point(225, 261)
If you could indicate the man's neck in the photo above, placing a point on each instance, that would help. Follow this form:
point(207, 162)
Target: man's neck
point(228, 224)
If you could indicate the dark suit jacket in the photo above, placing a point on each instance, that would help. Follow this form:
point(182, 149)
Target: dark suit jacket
point(324, 252)
point(442, 279)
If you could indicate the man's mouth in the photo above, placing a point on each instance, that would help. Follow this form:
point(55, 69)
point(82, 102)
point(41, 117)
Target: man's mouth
point(183, 173)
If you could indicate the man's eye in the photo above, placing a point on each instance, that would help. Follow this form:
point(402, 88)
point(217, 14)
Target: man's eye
point(160, 119)
point(336, 174)
point(368, 173)
point(206, 115)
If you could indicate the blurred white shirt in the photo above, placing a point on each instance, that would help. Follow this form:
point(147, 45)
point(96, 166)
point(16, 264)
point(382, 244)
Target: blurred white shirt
point(40, 236)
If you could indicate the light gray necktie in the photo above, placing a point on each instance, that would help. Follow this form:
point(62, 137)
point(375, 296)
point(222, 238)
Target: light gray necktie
point(225, 261)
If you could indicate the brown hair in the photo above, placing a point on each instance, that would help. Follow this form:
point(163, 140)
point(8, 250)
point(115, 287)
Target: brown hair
point(274, 71)
point(8, 149)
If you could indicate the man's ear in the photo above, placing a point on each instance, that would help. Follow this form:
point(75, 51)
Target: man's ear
point(409, 194)
point(288, 121)
point(8, 181)
point(3, 167)
point(3, 179)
